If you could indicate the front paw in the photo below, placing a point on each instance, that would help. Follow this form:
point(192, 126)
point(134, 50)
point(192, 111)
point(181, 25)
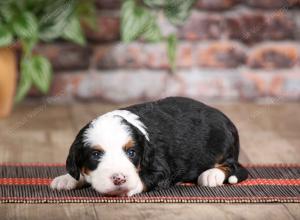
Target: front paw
point(212, 177)
point(64, 182)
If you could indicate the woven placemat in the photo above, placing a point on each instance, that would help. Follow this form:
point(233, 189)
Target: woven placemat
point(29, 183)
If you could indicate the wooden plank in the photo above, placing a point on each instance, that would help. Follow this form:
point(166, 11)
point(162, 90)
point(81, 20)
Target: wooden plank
point(191, 211)
point(148, 211)
point(82, 113)
point(47, 211)
point(294, 210)
point(269, 147)
point(36, 133)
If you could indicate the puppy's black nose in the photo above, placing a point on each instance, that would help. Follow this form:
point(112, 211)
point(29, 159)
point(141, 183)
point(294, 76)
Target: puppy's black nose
point(118, 179)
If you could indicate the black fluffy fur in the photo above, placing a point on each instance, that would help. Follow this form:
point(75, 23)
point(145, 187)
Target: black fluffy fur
point(186, 137)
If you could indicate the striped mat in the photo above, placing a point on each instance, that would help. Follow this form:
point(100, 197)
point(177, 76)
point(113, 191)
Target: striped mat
point(29, 183)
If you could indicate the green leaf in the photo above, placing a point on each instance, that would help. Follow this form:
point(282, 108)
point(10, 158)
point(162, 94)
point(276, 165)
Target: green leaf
point(171, 50)
point(52, 32)
point(41, 73)
point(55, 18)
point(6, 37)
point(138, 21)
point(27, 46)
point(86, 10)
point(34, 70)
point(73, 31)
point(55, 11)
point(178, 10)
point(152, 32)
point(25, 25)
point(6, 11)
point(25, 80)
point(155, 3)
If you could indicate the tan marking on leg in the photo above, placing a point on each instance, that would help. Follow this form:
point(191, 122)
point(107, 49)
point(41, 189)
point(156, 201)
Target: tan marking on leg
point(224, 168)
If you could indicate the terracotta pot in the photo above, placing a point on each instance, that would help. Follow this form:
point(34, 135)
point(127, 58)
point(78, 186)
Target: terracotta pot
point(8, 73)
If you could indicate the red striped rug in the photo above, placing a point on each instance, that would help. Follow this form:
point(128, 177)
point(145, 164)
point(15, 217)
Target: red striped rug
point(29, 183)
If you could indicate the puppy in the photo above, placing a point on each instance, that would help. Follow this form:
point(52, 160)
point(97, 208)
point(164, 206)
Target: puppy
point(152, 146)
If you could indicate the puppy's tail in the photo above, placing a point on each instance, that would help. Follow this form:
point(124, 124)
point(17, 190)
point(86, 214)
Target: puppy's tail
point(238, 174)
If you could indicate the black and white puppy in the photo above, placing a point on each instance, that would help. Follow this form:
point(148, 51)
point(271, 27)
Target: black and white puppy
point(154, 145)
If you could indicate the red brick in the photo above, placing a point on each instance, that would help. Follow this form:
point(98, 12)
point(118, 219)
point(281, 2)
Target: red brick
point(108, 4)
point(140, 85)
point(203, 84)
point(297, 28)
point(200, 26)
point(258, 81)
point(279, 25)
point(271, 56)
point(139, 55)
point(221, 55)
point(108, 29)
point(121, 86)
point(282, 84)
point(252, 26)
point(276, 85)
point(185, 55)
point(216, 4)
point(65, 56)
point(119, 56)
point(65, 86)
point(270, 4)
point(289, 89)
point(155, 56)
point(245, 26)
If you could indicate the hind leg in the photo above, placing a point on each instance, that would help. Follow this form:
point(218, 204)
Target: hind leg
point(235, 172)
point(228, 172)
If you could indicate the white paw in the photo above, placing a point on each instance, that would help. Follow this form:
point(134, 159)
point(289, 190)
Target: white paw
point(64, 182)
point(212, 177)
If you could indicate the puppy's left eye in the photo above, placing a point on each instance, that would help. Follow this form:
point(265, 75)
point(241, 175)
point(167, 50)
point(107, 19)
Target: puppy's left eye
point(96, 155)
point(131, 153)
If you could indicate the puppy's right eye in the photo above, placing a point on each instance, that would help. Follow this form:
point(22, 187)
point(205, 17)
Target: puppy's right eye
point(96, 155)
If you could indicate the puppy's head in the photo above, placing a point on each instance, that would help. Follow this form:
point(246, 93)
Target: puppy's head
point(108, 152)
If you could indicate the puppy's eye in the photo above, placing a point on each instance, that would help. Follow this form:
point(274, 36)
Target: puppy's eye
point(130, 153)
point(96, 155)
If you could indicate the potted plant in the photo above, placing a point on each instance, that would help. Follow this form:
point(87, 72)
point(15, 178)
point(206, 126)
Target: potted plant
point(25, 23)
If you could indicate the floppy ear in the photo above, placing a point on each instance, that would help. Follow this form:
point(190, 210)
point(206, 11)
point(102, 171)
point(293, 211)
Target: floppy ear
point(154, 169)
point(74, 159)
point(72, 165)
point(155, 172)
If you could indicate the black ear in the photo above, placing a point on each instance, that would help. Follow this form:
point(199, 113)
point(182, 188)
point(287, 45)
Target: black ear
point(155, 172)
point(74, 160)
point(72, 165)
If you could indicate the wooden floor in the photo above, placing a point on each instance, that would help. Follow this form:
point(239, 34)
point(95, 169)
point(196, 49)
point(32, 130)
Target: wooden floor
point(43, 133)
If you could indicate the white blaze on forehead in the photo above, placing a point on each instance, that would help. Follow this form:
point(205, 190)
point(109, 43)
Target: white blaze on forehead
point(109, 131)
point(132, 119)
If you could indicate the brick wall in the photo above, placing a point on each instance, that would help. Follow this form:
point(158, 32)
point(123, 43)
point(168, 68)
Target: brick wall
point(228, 50)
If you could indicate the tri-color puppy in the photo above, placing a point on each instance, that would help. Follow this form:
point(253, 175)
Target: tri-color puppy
point(154, 145)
